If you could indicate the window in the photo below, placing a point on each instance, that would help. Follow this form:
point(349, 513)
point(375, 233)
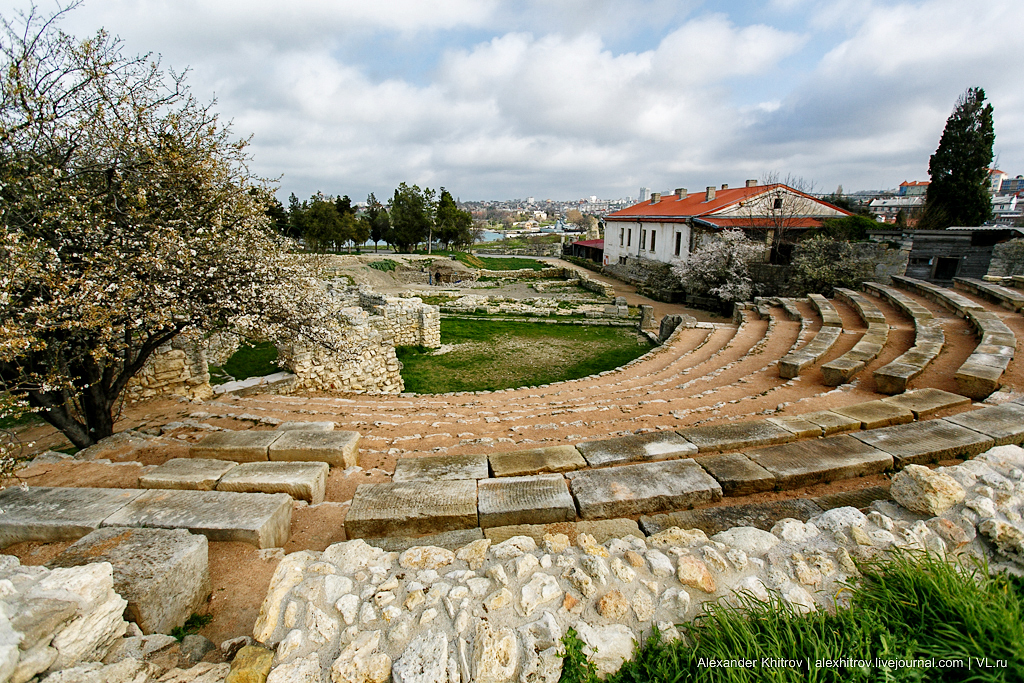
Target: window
point(622, 236)
point(778, 202)
point(629, 237)
point(679, 242)
point(643, 238)
point(622, 260)
point(653, 235)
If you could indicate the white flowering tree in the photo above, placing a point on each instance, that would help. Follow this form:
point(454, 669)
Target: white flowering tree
point(129, 215)
point(720, 266)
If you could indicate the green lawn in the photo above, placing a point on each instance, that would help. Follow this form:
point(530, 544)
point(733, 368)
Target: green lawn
point(490, 355)
point(248, 361)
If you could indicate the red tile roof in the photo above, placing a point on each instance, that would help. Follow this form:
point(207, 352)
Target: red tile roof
point(670, 208)
point(590, 243)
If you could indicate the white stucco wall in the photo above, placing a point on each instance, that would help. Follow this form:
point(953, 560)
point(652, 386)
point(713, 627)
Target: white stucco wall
point(635, 238)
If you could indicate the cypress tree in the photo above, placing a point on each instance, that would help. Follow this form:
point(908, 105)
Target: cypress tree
point(958, 193)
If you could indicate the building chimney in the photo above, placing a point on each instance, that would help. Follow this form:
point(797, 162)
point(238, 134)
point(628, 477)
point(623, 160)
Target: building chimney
point(710, 193)
point(725, 186)
point(655, 197)
point(681, 193)
point(751, 183)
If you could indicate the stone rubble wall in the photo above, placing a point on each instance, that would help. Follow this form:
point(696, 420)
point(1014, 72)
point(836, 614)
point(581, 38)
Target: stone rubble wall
point(359, 359)
point(178, 368)
point(497, 612)
point(405, 321)
point(553, 249)
point(68, 626)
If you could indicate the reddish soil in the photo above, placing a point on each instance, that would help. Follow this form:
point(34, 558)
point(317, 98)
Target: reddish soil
point(705, 375)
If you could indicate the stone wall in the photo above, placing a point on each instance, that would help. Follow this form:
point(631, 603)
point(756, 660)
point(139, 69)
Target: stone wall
point(359, 359)
point(178, 368)
point(403, 321)
point(1007, 259)
point(496, 611)
point(888, 261)
point(554, 249)
point(652, 278)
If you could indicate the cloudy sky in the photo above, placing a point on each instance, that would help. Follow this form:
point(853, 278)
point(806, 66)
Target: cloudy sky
point(562, 99)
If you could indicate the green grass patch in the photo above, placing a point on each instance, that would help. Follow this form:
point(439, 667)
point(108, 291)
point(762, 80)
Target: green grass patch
point(385, 265)
point(910, 608)
point(493, 354)
point(191, 626)
point(248, 361)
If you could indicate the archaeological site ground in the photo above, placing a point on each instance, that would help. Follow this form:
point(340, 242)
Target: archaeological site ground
point(546, 452)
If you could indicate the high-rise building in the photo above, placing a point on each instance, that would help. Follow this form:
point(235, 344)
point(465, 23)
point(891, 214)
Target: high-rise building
point(645, 194)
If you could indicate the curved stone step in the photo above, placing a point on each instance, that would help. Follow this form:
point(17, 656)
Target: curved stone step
point(825, 338)
point(843, 369)
point(928, 342)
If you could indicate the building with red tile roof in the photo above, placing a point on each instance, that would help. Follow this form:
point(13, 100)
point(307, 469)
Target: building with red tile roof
point(668, 228)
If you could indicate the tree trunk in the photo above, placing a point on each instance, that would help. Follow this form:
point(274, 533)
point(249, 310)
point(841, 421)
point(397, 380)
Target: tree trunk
point(54, 412)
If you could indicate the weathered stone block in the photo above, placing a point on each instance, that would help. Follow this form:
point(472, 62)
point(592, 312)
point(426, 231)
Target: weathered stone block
point(736, 435)
point(1004, 423)
point(300, 480)
point(441, 467)
point(801, 428)
point(322, 426)
point(928, 441)
point(197, 474)
point(924, 403)
point(261, 519)
point(57, 514)
point(636, 447)
point(411, 508)
point(337, 449)
point(831, 423)
point(536, 461)
point(812, 462)
point(242, 446)
point(857, 498)
point(163, 574)
point(737, 474)
point(875, 414)
point(534, 499)
point(449, 540)
point(643, 488)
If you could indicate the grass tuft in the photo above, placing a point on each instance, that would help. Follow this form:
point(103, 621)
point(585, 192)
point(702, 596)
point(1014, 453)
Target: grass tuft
point(908, 608)
point(191, 626)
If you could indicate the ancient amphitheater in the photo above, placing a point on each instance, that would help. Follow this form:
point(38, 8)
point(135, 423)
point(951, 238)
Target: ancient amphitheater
point(755, 455)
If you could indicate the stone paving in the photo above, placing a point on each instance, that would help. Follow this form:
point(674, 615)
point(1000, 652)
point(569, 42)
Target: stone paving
point(534, 499)
point(641, 447)
point(642, 489)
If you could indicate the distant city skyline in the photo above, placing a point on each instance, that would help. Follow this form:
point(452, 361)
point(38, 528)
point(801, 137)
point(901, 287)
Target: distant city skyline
point(515, 98)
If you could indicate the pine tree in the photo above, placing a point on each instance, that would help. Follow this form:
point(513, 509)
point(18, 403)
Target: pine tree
point(958, 193)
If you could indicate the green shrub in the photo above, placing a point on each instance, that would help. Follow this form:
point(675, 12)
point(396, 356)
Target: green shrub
point(385, 265)
point(820, 264)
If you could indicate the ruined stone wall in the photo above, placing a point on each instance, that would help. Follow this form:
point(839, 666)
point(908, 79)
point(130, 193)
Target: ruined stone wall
point(405, 322)
point(1007, 259)
point(652, 278)
point(554, 249)
point(887, 261)
point(359, 359)
point(178, 368)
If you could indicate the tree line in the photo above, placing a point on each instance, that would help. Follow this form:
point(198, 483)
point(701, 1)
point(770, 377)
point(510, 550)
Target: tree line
point(411, 216)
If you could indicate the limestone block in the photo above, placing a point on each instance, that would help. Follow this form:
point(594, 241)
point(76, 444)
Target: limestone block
point(749, 539)
point(736, 435)
point(811, 462)
point(186, 473)
point(258, 518)
point(425, 660)
point(440, 467)
point(495, 654)
point(360, 662)
point(927, 441)
point(412, 508)
point(639, 447)
point(537, 461)
point(924, 403)
point(300, 480)
point(338, 449)
point(163, 574)
point(607, 646)
point(1004, 423)
point(714, 520)
point(536, 499)
point(643, 488)
point(875, 414)
point(242, 446)
point(309, 426)
point(926, 491)
point(831, 422)
point(251, 665)
point(56, 514)
point(737, 474)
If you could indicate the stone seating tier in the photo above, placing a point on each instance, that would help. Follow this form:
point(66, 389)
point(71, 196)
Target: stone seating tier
point(980, 374)
point(831, 328)
point(842, 369)
point(929, 339)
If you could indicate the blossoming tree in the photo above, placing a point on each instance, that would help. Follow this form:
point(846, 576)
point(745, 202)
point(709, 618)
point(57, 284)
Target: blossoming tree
point(129, 215)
